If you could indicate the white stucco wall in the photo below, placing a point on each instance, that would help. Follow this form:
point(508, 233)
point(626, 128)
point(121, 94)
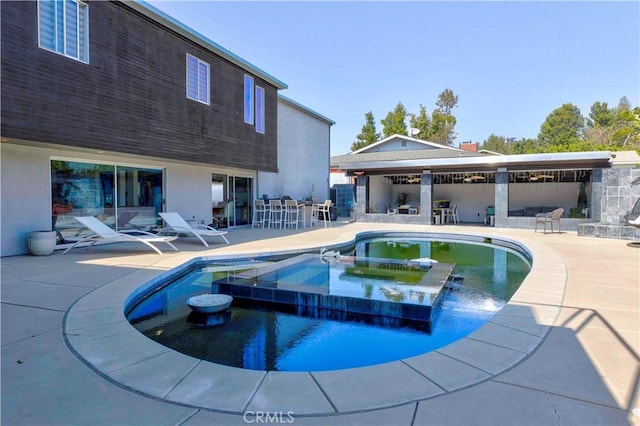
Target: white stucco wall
point(545, 194)
point(380, 194)
point(303, 156)
point(472, 199)
point(26, 196)
point(190, 189)
point(26, 188)
point(339, 178)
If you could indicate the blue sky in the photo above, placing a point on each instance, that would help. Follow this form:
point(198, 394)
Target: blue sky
point(510, 63)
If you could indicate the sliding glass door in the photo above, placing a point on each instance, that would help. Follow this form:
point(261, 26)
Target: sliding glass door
point(122, 197)
point(241, 197)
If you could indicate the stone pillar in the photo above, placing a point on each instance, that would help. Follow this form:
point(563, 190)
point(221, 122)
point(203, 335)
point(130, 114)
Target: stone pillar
point(361, 198)
point(620, 195)
point(595, 201)
point(426, 196)
point(502, 197)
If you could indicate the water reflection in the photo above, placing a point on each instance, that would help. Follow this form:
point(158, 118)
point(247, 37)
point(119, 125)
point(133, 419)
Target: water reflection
point(289, 338)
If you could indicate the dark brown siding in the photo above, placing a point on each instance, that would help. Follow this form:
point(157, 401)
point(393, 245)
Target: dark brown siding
point(131, 97)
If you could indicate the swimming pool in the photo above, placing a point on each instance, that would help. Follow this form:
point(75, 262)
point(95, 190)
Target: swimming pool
point(286, 337)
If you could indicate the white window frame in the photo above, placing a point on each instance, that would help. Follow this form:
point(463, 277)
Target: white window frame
point(62, 27)
point(202, 94)
point(249, 99)
point(260, 107)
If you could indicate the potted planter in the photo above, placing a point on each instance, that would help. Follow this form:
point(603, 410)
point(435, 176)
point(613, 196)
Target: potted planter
point(42, 243)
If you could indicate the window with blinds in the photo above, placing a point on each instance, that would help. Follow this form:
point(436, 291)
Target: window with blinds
point(260, 109)
point(63, 27)
point(197, 79)
point(248, 99)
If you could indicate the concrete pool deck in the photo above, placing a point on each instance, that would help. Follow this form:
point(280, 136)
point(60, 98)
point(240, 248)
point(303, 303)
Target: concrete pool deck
point(563, 351)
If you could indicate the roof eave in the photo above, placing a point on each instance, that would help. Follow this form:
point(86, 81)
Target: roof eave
point(305, 109)
point(409, 138)
point(491, 161)
point(177, 26)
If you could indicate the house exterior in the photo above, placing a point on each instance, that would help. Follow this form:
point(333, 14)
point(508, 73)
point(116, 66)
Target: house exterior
point(303, 154)
point(403, 180)
point(115, 109)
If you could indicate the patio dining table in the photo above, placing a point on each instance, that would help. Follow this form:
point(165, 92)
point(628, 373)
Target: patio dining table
point(439, 215)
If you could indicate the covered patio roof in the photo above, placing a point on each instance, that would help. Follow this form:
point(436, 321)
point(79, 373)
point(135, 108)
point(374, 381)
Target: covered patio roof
point(588, 159)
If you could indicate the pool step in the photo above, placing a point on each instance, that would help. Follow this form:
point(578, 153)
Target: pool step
point(308, 276)
point(298, 282)
point(438, 275)
point(253, 273)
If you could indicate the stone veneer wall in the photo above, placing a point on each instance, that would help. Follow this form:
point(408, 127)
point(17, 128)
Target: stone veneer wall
point(615, 201)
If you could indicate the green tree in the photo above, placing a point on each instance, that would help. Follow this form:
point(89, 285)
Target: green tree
point(394, 122)
point(624, 104)
point(442, 128)
point(524, 146)
point(600, 115)
point(367, 135)
point(447, 101)
point(443, 122)
point(598, 138)
point(496, 143)
point(563, 128)
point(421, 122)
point(627, 134)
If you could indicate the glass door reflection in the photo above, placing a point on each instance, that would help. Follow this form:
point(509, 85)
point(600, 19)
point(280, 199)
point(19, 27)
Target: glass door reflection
point(240, 205)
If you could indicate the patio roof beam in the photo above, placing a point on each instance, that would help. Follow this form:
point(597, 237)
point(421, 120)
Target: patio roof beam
point(554, 160)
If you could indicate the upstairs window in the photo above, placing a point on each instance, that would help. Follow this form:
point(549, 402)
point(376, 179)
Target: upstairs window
point(63, 27)
point(259, 109)
point(197, 80)
point(248, 99)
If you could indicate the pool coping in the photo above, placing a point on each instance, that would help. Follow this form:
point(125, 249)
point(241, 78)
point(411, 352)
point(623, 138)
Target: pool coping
point(96, 330)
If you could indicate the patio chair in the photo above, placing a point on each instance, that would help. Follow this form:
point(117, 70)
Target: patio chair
point(634, 222)
point(175, 223)
point(260, 213)
point(102, 233)
point(451, 215)
point(324, 213)
point(549, 218)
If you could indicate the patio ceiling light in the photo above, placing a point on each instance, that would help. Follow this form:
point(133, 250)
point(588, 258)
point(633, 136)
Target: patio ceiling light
point(543, 175)
point(474, 178)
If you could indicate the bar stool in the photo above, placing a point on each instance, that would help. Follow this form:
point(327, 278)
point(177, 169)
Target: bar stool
point(314, 215)
point(292, 213)
point(324, 212)
point(276, 211)
point(260, 213)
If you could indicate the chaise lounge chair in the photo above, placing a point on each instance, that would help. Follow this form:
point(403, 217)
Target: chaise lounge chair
point(102, 233)
point(175, 223)
point(634, 222)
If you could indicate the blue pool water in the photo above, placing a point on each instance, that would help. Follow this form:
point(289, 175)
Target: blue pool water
point(268, 336)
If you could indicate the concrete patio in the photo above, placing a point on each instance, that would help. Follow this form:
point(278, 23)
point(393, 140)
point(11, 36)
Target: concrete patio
point(565, 350)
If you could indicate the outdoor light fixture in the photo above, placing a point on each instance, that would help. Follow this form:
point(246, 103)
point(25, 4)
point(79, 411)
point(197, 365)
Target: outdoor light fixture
point(542, 175)
point(474, 178)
